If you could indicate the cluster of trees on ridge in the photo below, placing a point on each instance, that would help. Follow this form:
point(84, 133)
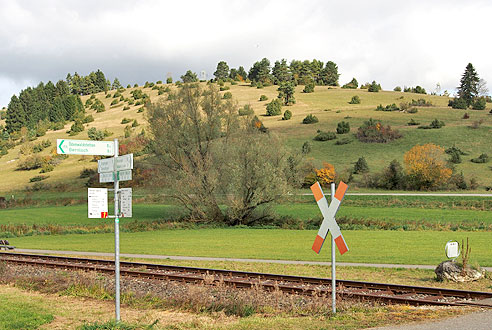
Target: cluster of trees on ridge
point(37, 107)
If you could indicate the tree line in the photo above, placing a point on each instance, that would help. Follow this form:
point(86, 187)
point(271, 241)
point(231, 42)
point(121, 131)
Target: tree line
point(53, 103)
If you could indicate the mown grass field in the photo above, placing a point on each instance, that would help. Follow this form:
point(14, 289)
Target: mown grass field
point(371, 246)
point(329, 105)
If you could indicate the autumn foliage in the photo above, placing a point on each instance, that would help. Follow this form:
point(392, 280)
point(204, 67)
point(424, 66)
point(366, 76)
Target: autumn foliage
point(426, 166)
point(326, 175)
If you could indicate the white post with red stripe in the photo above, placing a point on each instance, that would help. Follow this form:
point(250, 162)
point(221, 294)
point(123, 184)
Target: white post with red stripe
point(329, 224)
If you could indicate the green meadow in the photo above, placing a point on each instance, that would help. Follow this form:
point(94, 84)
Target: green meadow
point(371, 246)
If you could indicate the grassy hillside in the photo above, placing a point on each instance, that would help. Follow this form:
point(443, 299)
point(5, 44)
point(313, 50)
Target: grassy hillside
point(329, 105)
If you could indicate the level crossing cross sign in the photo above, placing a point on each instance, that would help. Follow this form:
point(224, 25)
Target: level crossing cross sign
point(329, 223)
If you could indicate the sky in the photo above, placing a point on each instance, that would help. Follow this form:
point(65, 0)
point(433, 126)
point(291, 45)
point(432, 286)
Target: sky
point(396, 43)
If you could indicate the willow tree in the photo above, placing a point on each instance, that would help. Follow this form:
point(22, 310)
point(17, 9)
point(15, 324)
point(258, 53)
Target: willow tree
point(210, 157)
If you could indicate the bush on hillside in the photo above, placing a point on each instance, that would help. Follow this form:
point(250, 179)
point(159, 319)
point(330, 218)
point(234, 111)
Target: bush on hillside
point(373, 131)
point(310, 119)
point(343, 127)
point(397, 89)
point(421, 103)
point(458, 103)
point(435, 124)
point(479, 103)
point(412, 122)
point(325, 136)
point(287, 115)
point(389, 107)
point(274, 108)
point(227, 95)
point(309, 87)
point(246, 110)
point(355, 100)
point(263, 97)
point(483, 158)
point(374, 87)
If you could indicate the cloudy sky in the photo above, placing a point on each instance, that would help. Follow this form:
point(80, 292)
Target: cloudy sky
point(393, 42)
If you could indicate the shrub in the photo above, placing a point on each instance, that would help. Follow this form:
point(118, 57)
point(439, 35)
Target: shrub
point(125, 120)
point(117, 94)
point(458, 103)
point(412, 122)
point(309, 87)
point(88, 119)
point(46, 168)
point(353, 84)
point(466, 115)
point(114, 102)
point(361, 166)
point(135, 123)
point(306, 148)
point(122, 98)
point(374, 87)
point(76, 128)
point(227, 95)
point(325, 136)
point(246, 110)
point(455, 157)
point(128, 131)
point(169, 80)
point(274, 108)
point(259, 85)
point(389, 107)
point(30, 163)
point(435, 124)
point(38, 178)
point(98, 106)
point(108, 95)
point(397, 89)
point(355, 100)
point(141, 109)
point(421, 103)
point(483, 158)
point(343, 127)
point(95, 134)
point(224, 88)
point(372, 131)
point(126, 107)
point(479, 104)
point(263, 97)
point(310, 119)
point(343, 141)
point(287, 115)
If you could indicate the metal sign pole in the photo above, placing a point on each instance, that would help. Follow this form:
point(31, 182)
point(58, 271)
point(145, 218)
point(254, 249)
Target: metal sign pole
point(116, 236)
point(333, 274)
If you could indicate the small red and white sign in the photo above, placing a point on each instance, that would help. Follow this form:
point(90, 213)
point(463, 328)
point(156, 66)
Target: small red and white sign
point(329, 223)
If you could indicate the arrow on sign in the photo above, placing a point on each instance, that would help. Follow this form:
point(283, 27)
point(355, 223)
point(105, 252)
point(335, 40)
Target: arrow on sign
point(329, 223)
point(60, 146)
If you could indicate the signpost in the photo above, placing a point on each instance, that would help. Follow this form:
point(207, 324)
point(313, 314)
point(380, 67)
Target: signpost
point(113, 169)
point(84, 147)
point(329, 224)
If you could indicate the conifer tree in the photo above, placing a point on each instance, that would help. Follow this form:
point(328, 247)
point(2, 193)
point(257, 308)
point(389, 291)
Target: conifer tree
point(222, 71)
point(16, 116)
point(468, 88)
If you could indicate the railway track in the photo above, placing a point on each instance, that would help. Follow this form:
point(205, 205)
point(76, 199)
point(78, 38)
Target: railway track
point(389, 293)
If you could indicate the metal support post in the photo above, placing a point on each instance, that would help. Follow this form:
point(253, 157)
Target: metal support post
point(333, 274)
point(116, 236)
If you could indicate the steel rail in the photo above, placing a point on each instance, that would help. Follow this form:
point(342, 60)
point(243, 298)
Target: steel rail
point(393, 293)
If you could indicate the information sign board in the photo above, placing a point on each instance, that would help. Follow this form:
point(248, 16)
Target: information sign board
point(98, 202)
point(123, 163)
point(109, 176)
point(126, 202)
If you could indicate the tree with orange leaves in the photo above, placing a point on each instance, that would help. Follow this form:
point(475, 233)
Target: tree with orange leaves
point(426, 166)
point(326, 175)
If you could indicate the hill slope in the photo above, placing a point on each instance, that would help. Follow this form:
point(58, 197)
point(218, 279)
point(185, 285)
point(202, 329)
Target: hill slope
point(329, 105)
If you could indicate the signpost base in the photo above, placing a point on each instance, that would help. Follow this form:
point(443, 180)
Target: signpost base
point(333, 273)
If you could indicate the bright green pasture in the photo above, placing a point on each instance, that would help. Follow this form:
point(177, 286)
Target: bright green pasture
point(396, 214)
point(77, 214)
point(400, 247)
point(21, 312)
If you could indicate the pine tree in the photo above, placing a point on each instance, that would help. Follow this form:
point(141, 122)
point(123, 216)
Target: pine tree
point(242, 73)
point(189, 77)
point(286, 92)
point(16, 116)
point(281, 72)
point(222, 71)
point(116, 84)
point(361, 166)
point(330, 74)
point(468, 88)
